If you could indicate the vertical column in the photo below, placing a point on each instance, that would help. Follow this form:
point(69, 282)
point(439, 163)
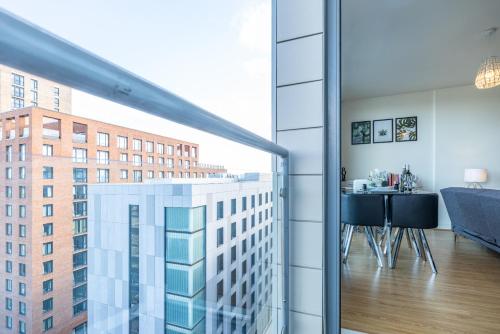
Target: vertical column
point(299, 124)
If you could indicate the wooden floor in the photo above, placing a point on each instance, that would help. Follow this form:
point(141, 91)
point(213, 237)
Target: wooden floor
point(464, 297)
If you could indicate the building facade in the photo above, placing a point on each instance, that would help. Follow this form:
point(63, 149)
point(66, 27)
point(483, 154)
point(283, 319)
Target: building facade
point(182, 256)
point(20, 89)
point(47, 159)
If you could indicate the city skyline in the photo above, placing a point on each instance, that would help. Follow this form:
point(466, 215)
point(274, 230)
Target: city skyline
point(236, 52)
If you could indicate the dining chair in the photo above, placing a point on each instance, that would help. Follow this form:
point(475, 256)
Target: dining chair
point(414, 212)
point(366, 211)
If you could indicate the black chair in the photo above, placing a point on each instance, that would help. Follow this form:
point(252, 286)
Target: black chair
point(364, 210)
point(414, 212)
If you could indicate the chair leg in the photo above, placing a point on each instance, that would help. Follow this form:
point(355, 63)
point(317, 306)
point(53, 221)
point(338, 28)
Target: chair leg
point(428, 251)
point(414, 242)
point(420, 244)
point(375, 246)
point(388, 246)
point(348, 242)
point(408, 240)
point(397, 245)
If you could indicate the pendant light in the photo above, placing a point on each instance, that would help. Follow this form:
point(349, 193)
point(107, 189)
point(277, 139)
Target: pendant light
point(488, 75)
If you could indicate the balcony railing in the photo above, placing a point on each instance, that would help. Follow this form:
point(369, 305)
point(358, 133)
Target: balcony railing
point(31, 49)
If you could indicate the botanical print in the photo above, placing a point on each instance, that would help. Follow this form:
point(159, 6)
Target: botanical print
point(406, 129)
point(361, 132)
point(382, 131)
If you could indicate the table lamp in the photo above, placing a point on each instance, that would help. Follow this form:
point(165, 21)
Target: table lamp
point(475, 176)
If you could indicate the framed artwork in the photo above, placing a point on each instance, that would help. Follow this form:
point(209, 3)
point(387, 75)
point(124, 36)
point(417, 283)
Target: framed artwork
point(383, 131)
point(406, 129)
point(361, 132)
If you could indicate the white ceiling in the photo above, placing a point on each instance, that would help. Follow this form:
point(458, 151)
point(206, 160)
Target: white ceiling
point(398, 46)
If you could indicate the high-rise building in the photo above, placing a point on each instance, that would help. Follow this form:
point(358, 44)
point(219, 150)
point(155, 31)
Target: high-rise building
point(47, 159)
point(20, 89)
point(181, 256)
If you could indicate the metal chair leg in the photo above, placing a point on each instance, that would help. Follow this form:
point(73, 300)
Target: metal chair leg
point(428, 251)
point(408, 240)
point(414, 242)
point(421, 246)
point(376, 247)
point(397, 245)
point(388, 246)
point(348, 244)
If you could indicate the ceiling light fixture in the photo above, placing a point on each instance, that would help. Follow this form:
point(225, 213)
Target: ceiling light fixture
point(488, 75)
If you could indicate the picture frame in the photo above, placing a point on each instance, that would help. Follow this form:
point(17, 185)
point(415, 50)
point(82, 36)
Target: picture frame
point(361, 132)
point(383, 131)
point(406, 129)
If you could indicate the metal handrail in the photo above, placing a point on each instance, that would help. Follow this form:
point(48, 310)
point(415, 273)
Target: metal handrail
point(32, 49)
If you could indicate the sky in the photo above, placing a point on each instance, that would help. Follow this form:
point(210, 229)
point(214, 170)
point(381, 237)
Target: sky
point(216, 54)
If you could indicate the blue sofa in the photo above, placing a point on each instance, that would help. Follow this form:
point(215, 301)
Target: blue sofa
point(475, 214)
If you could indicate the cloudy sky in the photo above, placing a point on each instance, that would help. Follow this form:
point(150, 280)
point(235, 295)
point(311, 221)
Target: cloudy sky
point(214, 53)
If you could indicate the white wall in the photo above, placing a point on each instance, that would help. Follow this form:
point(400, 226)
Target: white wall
point(457, 129)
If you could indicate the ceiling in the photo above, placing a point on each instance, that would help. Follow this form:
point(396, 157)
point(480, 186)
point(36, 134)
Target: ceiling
point(398, 46)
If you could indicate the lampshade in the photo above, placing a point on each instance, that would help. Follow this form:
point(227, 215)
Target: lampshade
point(477, 175)
point(488, 75)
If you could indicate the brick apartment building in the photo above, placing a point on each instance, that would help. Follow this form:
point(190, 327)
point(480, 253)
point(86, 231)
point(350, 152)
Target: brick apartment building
point(47, 158)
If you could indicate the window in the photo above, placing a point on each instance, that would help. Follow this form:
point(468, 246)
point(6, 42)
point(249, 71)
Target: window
point(8, 285)
point(22, 250)
point(47, 150)
point(137, 176)
point(220, 210)
point(102, 139)
point(149, 147)
point(79, 175)
point(22, 173)
point(233, 206)
point(123, 174)
point(79, 133)
point(151, 174)
point(47, 173)
point(170, 150)
point(243, 225)
point(161, 161)
point(170, 163)
point(48, 324)
point(80, 191)
point(8, 266)
point(22, 152)
point(252, 218)
point(244, 288)
point(137, 160)
point(22, 308)
point(161, 174)
point(79, 259)
point(8, 247)
point(48, 286)
point(47, 305)
point(8, 321)
point(244, 203)
point(179, 163)
point(160, 148)
point(47, 210)
point(79, 209)
point(80, 155)
point(123, 157)
point(22, 192)
point(134, 263)
point(8, 229)
point(51, 127)
point(8, 210)
point(253, 201)
point(18, 92)
point(102, 175)
point(8, 153)
point(48, 191)
point(233, 230)
point(22, 327)
point(22, 269)
point(8, 304)
point(220, 236)
point(22, 289)
point(220, 263)
point(77, 309)
point(220, 290)
point(80, 276)
point(80, 242)
point(8, 192)
point(17, 103)
point(103, 157)
point(243, 246)
point(187, 164)
point(80, 226)
point(48, 248)
point(48, 229)
point(233, 254)
point(260, 199)
point(22, 211)
point(122, 142)
point(48, 267)
point(137, 144)
point(17, 80)
point(8, 173)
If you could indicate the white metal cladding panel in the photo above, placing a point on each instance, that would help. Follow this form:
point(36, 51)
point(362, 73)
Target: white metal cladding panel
point(296, 18)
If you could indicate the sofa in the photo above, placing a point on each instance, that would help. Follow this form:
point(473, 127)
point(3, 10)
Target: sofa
point(475, 214)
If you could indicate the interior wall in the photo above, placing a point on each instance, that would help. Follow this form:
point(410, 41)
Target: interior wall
point(457, 129)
